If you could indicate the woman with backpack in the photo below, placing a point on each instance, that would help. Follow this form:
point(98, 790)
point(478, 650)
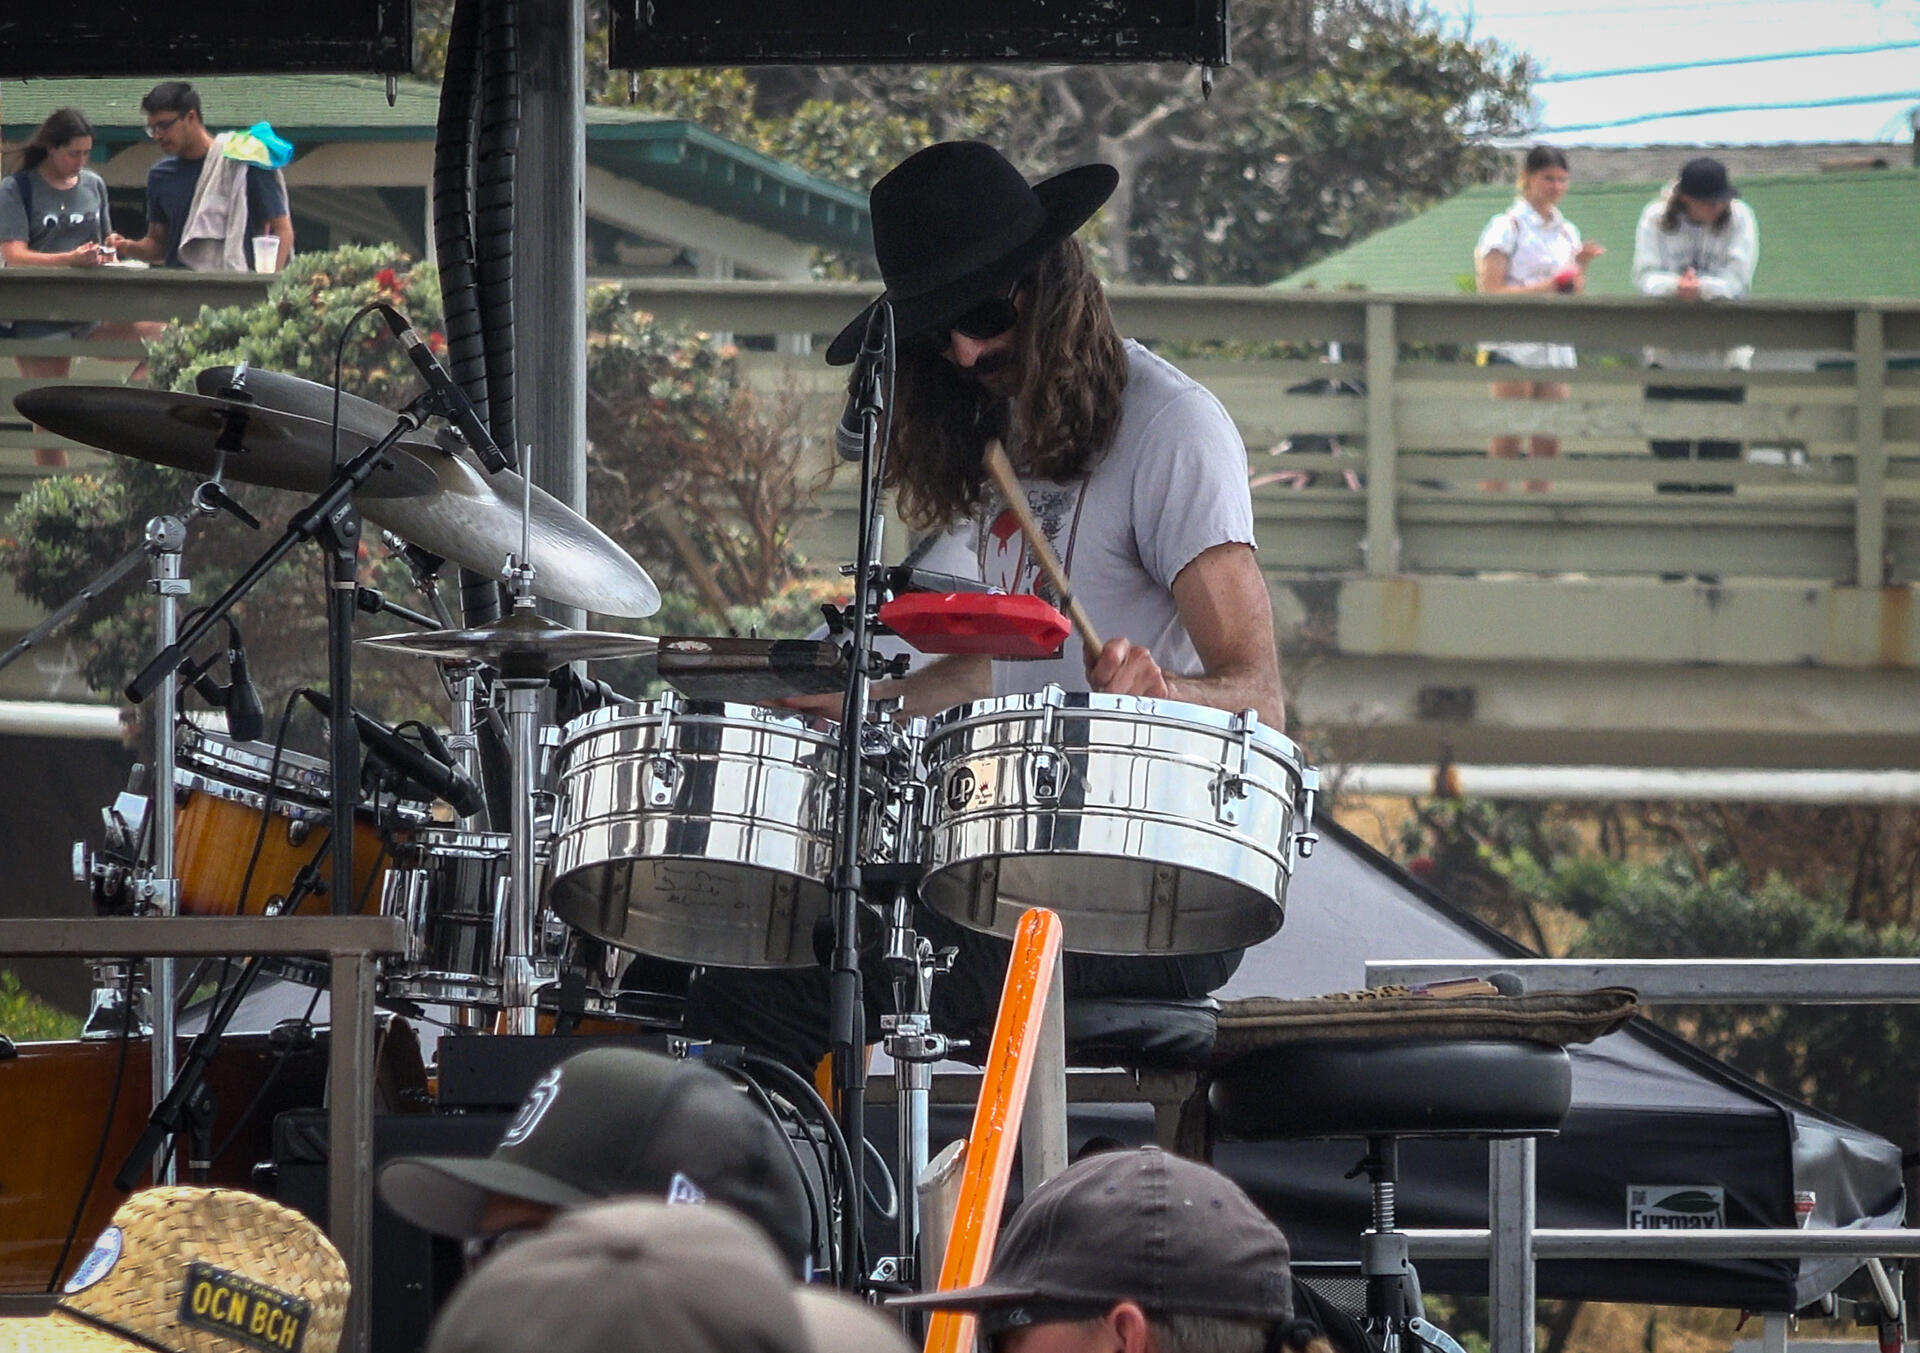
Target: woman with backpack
point(54, 214)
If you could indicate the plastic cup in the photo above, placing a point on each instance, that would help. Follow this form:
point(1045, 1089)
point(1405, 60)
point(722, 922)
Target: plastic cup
point(266, 252)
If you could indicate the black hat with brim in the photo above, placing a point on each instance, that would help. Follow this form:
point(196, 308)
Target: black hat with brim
point(1173, 1235)
point(955, 224)
point(1705, 180)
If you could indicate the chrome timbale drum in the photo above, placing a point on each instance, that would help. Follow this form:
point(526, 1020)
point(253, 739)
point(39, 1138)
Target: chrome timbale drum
point(1150, 826)
point(448, 886)
point(696, 830)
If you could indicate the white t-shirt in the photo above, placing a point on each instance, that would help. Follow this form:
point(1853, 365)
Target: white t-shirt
point(1536, 247)
point(1172, 485)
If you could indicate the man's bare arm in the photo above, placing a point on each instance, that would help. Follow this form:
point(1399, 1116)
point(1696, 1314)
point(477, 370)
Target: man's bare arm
point(1222, 600)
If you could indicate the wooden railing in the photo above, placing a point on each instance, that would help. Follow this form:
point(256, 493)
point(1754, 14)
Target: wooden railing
point(1829, 489)
point(90, 294)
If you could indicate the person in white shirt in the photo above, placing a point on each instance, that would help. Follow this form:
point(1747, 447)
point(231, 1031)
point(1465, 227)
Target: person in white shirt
point(1531, 248)
point(1697, 242)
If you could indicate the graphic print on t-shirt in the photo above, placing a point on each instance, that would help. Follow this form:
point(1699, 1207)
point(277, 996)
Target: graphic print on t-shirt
point(1005, 560)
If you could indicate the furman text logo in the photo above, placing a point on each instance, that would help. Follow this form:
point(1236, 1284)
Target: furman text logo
point(1676, 1207)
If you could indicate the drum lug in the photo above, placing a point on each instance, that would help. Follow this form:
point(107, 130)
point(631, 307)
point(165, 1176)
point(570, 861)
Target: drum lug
point(1305, 838)
point(661, 774)
point(1044, 774)
point(1229, 791)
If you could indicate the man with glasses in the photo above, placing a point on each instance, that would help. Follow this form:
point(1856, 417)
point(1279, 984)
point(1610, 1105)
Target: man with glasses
point(1134, 471)
point(172, 109)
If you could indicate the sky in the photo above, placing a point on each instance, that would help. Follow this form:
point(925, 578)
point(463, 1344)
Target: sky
point(1567, 37)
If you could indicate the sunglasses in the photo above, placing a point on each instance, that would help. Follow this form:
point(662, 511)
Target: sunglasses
point(990, 318)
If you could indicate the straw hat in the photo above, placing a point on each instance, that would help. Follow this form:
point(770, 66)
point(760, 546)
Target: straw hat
point(195, 1270)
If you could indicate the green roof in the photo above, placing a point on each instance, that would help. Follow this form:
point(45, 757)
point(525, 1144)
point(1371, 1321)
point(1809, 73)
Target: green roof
point(1843, 236)
point(671, 155)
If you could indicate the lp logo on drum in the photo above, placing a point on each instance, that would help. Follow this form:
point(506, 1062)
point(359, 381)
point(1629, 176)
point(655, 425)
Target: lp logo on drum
point(964, 789)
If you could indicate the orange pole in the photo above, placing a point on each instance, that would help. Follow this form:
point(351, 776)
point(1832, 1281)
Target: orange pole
point(996, 1122)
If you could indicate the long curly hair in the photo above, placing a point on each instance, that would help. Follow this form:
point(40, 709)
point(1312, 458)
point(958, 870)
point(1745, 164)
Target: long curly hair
point(1073, 371)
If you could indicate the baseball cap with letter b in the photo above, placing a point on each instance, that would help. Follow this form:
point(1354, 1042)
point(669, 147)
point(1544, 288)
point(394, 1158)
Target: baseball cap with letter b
point(614, 1122)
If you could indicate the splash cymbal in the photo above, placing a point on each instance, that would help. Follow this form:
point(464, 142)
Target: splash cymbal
point(199, 433)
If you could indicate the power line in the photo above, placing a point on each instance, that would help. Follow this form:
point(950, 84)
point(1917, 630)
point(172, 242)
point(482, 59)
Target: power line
point(1725, 61)
point(1840, 102)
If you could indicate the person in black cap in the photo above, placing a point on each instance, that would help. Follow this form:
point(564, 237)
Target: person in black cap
point(1697, 242)
point(609, 1123)
point(1134, 471)
point(1136, 1252)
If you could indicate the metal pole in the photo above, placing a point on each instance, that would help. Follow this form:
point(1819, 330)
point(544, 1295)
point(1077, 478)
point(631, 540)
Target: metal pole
point(550, 240)
point(1510, 1216)
point(517, 976)
point(1043, 1127)
point(166, 538)
point(350, 1080)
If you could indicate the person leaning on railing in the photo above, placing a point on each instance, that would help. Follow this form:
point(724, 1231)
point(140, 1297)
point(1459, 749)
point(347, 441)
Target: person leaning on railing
point(1697, 242)
point(1530, 247)
point(53, 214)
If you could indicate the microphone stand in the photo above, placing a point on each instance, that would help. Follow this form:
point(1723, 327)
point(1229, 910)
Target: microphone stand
point(332, 520)
point(846, 1008)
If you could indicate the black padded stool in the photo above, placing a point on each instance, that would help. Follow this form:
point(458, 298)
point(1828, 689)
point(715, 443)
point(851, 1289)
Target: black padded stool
point(1383, 1090)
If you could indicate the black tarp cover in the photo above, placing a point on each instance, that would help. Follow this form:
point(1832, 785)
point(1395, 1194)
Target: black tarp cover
point(1648, 1109)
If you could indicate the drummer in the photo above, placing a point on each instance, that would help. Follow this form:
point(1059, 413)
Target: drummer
point(1135, 473)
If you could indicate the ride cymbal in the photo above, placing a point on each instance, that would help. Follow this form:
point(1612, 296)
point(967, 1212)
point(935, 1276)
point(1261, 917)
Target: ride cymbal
point(201, 434)
point(473, 518)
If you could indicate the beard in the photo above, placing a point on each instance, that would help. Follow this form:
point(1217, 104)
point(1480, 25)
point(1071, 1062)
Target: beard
point(995, 372)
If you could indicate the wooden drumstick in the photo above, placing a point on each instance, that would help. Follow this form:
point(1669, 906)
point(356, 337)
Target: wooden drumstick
point(1002, 471)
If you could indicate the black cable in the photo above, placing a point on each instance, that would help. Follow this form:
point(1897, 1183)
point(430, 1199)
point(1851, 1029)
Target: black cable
point(802, 1091)
point(765, 1101)
point(453, 151)
point(497, 149)
point(106, 1130)
point(339, 362)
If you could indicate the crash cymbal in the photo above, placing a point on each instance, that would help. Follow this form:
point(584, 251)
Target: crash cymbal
point(473, 518)
point(265, 446)
point(524, 639)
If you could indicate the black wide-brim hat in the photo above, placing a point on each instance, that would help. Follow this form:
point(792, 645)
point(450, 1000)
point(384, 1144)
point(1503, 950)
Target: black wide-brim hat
point(955, 224)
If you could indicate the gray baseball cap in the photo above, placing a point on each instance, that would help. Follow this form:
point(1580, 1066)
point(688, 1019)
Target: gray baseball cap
point(612, 1122)
point(1176, 1236)
point(637, 1273)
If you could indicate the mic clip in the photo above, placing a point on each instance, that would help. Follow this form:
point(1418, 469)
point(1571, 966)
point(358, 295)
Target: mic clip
point(211, 498)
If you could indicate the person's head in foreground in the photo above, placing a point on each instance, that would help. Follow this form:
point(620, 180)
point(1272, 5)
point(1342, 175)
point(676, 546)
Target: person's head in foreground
point(196, 1270)
point(1136, 1252)
point(610, 1123)
point(643, 1274)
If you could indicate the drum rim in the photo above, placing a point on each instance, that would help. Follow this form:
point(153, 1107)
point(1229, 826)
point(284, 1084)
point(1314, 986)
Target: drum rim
point(696, 711)
point(1173, 713)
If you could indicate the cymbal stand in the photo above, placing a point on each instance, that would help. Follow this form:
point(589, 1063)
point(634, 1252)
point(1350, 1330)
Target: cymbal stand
point(524, 681)
point(331, 519)
point(166, 540)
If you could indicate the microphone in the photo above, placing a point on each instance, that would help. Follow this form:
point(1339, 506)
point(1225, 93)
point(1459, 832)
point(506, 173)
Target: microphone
point(441, 779)
point(246, 720)
point(454, 403)
point(863, 390)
